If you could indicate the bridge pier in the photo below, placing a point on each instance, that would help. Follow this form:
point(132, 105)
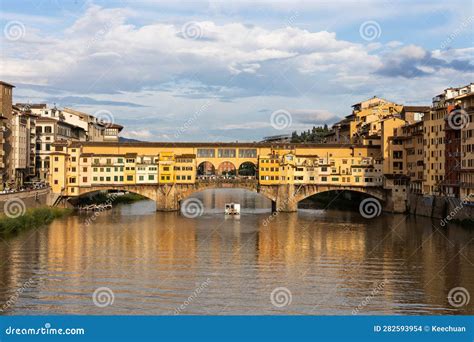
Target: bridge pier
point(166, 198)
point(286, 200)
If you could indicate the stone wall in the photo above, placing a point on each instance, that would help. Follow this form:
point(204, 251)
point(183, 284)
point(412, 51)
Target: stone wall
point(440, 207)
point(28, 199)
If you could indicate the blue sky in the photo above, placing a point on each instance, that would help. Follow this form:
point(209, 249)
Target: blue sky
point(227, 70)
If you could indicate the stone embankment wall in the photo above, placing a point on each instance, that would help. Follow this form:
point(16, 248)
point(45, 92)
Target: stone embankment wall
point(29, 199)
point(445, 208)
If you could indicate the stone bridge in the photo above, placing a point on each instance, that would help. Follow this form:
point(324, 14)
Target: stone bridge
point(284, 197)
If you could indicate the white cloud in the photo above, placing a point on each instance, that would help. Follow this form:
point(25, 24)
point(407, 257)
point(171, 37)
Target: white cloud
point(240, 68)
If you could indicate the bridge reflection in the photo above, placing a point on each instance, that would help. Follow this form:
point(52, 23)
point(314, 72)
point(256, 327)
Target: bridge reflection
point(329, 260)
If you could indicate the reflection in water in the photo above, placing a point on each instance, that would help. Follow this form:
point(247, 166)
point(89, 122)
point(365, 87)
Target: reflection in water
point(153, 262)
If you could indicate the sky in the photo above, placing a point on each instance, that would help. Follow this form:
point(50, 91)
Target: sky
point(231, 70)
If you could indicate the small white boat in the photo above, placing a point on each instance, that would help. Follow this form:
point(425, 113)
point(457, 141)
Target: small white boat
point(232, 209)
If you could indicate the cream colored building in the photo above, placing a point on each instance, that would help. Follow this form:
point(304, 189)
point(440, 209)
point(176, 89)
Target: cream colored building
point(465, 100)
point(54, 125)
point(23, 154)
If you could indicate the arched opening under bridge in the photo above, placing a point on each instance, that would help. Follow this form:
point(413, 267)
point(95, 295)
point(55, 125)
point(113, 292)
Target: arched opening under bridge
point(247, 169)
point(206, 169)
point(226, 169)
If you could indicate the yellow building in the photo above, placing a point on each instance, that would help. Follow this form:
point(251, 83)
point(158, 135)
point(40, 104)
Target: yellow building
point(324, 168)
point(185, 168)
point(80, 165)
point(406, 154)
point(129, 168)
point(166, 168)
point(269, 169)
point(60, 174)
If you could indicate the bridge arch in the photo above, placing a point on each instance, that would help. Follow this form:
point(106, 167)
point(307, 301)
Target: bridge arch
point(206, 168)
point(110, 190)
point(247, 168)
point(248, 184)
point(226, 168)
point(307, 191)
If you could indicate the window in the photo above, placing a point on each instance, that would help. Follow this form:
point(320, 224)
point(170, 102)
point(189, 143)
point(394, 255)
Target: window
point(47, 129)
point(120, 160)
point(84, 179)
point(107, 179)
point(96, 161)
point(324, 179)
point(94, 179)
point(189, 177)
point(166, 168)
point(56, 181)
point(151, 177)
point(101, 179)
point(84, 160)
point(48, 147)
point(109, 161)
point(115, 178)
point(129, 178)
point(178, 177)
point(206, 153)
point(141, 178)
point(84, 169)
point(108, 169)
point(226, 153)
point(247, 153)
point(56, 169)
point(56, 159)
point(121, 178)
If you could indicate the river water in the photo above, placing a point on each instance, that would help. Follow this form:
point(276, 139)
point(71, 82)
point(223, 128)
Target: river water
point(138, 261)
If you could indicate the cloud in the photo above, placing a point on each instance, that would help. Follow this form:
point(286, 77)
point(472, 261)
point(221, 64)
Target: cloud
point(139, 135)
point(102, 52)
point(312, 116)
point(236, 67)
point(413, 61)
point(84, 100)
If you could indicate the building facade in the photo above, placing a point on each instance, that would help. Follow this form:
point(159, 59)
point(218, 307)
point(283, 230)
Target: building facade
point(6, 94)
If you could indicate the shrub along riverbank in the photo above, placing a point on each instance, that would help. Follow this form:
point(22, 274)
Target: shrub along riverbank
point(32, 218)
point(102, 198)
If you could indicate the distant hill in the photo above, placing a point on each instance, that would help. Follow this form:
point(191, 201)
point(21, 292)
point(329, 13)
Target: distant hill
point(122, 139)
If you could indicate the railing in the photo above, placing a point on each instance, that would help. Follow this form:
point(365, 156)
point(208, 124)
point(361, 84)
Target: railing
point(236, 180)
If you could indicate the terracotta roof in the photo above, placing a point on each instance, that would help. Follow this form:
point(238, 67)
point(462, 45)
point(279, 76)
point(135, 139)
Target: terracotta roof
point(422, 109)
point(32, 105)
point(7, 84)
point(212, 144)
point(44, 119)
